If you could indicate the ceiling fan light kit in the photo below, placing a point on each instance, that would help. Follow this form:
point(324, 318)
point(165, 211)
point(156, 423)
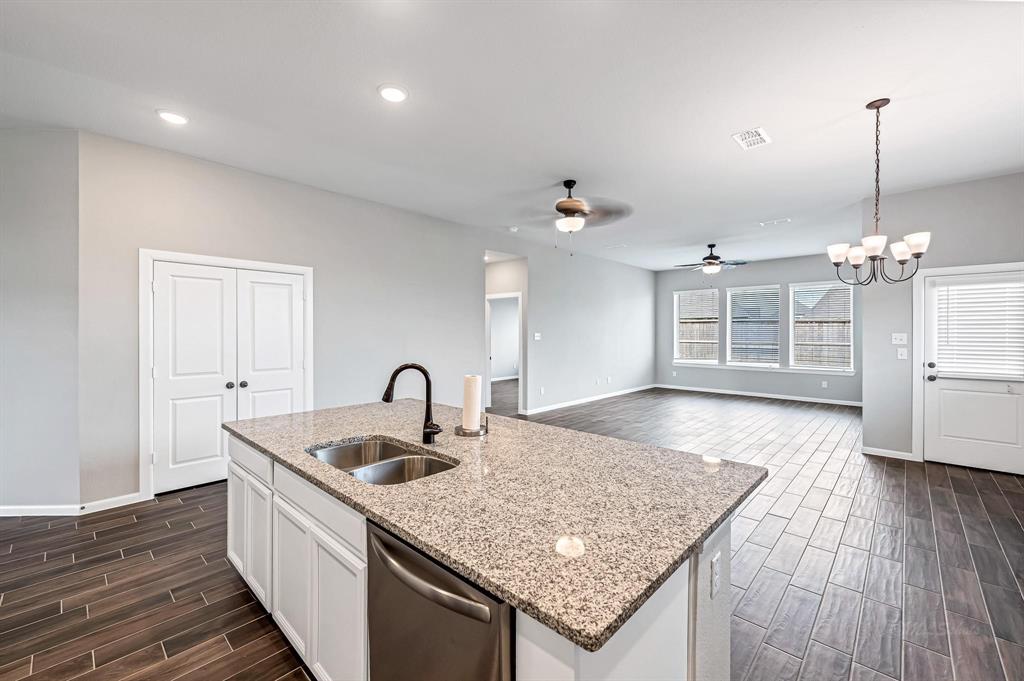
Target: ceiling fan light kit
point(872, 247)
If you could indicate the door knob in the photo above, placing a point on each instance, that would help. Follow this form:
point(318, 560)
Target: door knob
point(931, 377)
point(243, 384)
point(931, 365)
point(229, 385)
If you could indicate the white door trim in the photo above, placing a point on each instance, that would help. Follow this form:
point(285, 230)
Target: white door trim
point(919, 359)
point(147, 258)
point(518, 295)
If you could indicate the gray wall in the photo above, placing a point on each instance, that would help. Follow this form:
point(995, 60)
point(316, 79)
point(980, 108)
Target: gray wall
point(846, 388)
point(972, 223)
point(38, 317)
point(390, 286)
point(504, 337)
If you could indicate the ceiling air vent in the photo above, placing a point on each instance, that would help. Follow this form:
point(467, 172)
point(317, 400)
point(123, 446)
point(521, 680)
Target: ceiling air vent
point(748, 139)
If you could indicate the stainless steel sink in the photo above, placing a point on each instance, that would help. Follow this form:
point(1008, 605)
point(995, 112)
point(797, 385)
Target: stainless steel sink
point(355, 454)
point(401, 469)
point(378, 462)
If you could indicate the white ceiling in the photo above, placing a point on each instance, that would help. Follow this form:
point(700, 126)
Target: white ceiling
point(637, 101)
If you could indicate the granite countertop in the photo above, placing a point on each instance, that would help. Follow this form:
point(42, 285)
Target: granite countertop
point(639, 510)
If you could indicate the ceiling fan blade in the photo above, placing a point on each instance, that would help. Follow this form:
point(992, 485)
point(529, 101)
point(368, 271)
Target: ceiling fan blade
point(691, 264)
point(734, 263)
point(606, 211)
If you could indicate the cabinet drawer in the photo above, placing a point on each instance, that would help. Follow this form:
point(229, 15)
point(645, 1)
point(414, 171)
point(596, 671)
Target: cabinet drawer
point(346, 523)
point(248, 458)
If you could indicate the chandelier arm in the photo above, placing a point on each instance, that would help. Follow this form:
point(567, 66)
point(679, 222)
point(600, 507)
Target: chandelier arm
point(840, 277)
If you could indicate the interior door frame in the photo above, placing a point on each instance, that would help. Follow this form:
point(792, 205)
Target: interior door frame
point(147, 260)
point(918, 306)
point(518, 295)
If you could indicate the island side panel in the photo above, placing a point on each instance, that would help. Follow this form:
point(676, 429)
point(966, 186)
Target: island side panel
point(651, 645)
point(711, 635)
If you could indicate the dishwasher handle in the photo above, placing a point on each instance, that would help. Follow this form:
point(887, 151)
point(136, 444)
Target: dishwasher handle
point(445, 599)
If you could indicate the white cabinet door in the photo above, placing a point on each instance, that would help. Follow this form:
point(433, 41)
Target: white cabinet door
point(194, 347)
point(337, 641)
point(270, 344)
point(259, 503)
point(291, 572)
point(236, 517)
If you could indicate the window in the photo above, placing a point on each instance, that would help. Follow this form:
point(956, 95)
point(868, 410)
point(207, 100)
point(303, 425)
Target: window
point(980, 327)
point(822, 326)
point(754, 326)
point(697, 326)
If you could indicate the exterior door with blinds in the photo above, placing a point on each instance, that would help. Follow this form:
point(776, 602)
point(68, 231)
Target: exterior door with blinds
point(974, 373)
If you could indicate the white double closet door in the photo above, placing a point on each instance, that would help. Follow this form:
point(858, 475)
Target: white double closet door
point(227, 345)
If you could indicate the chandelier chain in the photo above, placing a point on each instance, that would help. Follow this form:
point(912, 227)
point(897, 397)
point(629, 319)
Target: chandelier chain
point(878, 164)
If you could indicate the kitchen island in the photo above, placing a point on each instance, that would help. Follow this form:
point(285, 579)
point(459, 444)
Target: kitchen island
point(583, 535)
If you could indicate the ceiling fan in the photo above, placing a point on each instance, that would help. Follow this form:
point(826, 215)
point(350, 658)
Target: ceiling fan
point(712, 263)
point(577, 212)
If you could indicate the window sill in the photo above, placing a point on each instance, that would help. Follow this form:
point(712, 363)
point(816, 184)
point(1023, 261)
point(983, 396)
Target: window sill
point(754, 367)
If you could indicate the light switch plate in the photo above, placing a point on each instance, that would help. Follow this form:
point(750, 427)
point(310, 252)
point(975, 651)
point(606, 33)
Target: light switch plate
point(536, 336)
point(899, 339)
point(901, 353)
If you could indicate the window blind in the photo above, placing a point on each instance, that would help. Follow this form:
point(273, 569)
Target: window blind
point(980, 329)
point(754, 325)
point(697, 325)
point(822, 330)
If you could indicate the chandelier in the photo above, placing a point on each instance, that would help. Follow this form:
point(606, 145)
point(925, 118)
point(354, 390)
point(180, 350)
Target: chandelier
point(872, 247)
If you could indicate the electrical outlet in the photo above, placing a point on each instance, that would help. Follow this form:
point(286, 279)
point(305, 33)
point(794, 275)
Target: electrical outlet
point(716, 574)
point(609, 379)
point(536, 336)
point(899, 339)
point(597, 380)
point(673, 373)
point(901, 353)
point(542, 390)
point(824, 384)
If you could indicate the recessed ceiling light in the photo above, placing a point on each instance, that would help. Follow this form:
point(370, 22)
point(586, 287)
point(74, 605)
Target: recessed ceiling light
point(393, 93)
point(171, 117)
point(776, 221)
point(513, 229)
point(749, 139)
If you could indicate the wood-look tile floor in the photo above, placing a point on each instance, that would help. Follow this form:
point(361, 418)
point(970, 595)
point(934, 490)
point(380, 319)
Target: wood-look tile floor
point(138, 592)
point(505, 397)
point(845, 566)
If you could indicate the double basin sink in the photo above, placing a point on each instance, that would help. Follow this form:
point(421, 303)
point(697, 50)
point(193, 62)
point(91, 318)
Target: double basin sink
point(380, 462)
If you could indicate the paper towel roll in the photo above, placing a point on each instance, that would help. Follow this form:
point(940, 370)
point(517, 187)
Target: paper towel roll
point(471, 402)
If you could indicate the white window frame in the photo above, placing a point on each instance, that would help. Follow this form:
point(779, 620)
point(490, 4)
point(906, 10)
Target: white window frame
point(728, 328)
point(676, 360)
point(792, 330)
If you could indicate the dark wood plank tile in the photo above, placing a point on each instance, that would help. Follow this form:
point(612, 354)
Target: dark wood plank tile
point(744, 643)
point(838, 617)
point(804, 521)
point(962, 592)
point(879, 640)
point(827, 535)
point(922, 569)
point(975, 655)
point(921, 664)
point(790, 629)
point(924, 621)
point(1013, 659)
point(768, 531)
point(69, 669)
point(174, 667)
point(919, 532)
point(270, 669)
point(746, 563)
point(992, 566)
point(127, 665)
point(884, 582)
point(813, 570)
point(212, 627)
point(227, 665)
point(888, 542)
point(772, 664)
point(763, 597)
point(858, 533)
point(786, 554)
point(850, 568)
point(1006, 609)
point(825, 664)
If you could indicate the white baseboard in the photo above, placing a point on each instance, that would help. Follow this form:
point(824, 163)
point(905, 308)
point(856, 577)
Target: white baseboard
point(504, 378)
point(891, 453)
point(744, 393)
point(71, 509)
point(584, 400)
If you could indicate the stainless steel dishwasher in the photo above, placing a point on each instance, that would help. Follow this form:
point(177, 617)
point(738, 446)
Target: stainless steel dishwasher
point(427, 623)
